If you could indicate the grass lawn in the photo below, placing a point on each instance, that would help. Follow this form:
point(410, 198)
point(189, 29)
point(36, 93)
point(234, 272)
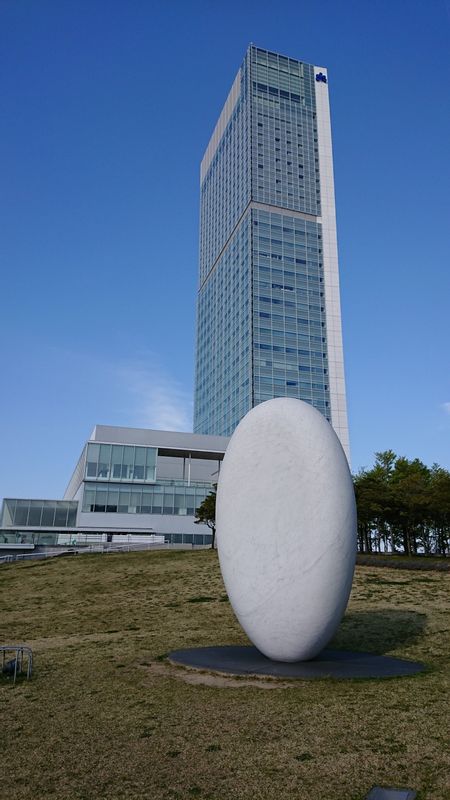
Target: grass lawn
point(106, 716)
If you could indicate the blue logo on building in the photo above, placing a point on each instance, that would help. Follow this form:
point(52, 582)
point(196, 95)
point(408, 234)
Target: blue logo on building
point(321, 77)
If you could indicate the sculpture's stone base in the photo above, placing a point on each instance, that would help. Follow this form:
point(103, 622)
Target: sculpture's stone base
point(341, 664)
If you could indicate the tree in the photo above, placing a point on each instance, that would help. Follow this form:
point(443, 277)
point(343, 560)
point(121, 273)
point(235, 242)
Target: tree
point(439, 511)
point(206, 514)
point(375, 504)
point(403, 505)
point(410, 483)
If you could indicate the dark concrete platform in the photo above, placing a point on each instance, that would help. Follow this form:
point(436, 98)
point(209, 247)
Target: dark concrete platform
point(389, 793)
point(328, 664)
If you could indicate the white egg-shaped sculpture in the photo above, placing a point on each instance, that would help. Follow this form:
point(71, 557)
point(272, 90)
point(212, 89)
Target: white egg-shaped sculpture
point(286, 528)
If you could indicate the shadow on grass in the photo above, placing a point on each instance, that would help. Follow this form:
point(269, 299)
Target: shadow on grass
point(379, 631)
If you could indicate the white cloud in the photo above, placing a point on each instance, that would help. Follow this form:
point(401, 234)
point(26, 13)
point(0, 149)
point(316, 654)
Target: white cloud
point(158, 400)
point(446, 407)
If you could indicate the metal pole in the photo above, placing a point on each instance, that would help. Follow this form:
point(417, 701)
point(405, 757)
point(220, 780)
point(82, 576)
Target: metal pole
point(15, 667)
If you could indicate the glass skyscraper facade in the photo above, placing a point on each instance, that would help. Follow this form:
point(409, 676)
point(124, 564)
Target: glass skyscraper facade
point(269, 322)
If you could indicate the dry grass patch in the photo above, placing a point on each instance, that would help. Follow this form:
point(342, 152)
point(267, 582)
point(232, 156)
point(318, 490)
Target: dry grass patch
point(106, 717)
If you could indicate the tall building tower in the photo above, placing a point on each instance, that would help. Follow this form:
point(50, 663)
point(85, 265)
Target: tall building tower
point(269, 320)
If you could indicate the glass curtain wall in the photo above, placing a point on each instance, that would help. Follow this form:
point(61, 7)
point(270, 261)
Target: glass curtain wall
point(39, 513)
point(160, 499)
point(120, 462)
point(262, 329)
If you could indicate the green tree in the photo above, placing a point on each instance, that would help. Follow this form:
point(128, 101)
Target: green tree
point(439, 508)
point(374, 502)
point(410, 483)
point(403, 505)
point(206, 514)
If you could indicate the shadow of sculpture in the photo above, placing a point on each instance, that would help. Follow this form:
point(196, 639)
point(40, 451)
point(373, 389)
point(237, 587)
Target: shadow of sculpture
point(379, 631)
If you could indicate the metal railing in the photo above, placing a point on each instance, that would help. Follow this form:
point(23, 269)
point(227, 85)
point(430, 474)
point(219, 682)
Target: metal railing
point(15, 666)
point(104, 548)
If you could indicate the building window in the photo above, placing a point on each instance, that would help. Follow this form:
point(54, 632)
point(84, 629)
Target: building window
point(121, 462)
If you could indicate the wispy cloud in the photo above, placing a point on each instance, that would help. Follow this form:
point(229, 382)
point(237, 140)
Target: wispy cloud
point(157, 400)
point(446, 407)
point(139, 392)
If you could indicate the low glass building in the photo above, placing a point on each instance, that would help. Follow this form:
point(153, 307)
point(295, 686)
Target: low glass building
point(129, 485)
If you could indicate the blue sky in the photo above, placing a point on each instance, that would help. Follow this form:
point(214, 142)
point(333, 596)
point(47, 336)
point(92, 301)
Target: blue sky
point(107, 108)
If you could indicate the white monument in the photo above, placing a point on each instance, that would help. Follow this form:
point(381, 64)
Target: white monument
point(286, 528)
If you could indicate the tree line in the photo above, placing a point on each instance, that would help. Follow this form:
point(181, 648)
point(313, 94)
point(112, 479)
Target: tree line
point(403, 506)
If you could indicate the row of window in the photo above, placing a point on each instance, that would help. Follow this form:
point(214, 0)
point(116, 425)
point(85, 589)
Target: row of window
point(158, 499)
point(40, 513)
point(279, 257)
point(278, 348)
point(121, 462)
point(262, 56)
point(282, 93)
point(287, 80)
point(281, 288)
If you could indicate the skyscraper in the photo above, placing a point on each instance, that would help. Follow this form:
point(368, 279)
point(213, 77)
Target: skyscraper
point(269, 321)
